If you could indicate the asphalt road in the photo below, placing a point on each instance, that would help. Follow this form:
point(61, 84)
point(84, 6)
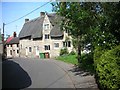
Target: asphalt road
point(35, 74)
point(24, 73)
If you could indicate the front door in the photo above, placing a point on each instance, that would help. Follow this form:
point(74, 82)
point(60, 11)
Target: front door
point(37, 50)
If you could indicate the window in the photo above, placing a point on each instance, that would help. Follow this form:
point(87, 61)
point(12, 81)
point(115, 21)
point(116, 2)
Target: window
point(17, 51)
point(30, 49)
point(46, 26)
point(56, 45)
point(47, 47)
point(64, 44)
point(10, 52)
point(11, 45)
point(7, 45)
point(17, 45)
point(46, 36)
point(67, 44)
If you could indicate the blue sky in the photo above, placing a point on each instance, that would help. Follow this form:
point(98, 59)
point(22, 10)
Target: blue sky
point(14, 10)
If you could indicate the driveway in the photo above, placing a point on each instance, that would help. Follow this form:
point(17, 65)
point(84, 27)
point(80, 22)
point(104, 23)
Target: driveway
point(44, 73)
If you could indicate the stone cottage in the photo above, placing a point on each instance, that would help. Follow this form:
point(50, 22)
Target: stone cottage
point(12, 46)
point(42, 37)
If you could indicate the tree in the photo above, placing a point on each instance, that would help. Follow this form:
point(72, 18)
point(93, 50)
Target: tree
point(78, 19)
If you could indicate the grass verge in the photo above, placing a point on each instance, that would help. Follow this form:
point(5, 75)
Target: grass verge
point(68, 59)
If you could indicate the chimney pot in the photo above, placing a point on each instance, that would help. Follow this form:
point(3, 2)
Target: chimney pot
point(14, 34)
point(42, 14)
point(26, 20)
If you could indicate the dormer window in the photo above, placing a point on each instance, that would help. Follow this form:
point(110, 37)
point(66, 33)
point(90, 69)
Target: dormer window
point(46, 26)
point(46, 36)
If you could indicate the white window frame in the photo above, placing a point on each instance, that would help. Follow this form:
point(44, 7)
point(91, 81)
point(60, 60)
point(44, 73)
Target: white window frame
point(66, 43)
point(46, 26)
point(30, 50)
point(56, 46)
point(48, 47)
point(47, 36)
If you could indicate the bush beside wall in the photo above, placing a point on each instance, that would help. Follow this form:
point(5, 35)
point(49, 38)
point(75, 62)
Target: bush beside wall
point(107, 65)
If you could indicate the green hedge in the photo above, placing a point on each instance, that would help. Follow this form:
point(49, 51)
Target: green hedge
point(87, 62)
point(107, 65)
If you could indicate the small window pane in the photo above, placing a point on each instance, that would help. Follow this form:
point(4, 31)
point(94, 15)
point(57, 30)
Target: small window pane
point(10, 52)
point(47, 47)
point(17, 45)
point(56, 45)
point(17, 51)
point(30, 49)
point(46, 26)
point(46, 36)
point(64, 44)
point(69, 44)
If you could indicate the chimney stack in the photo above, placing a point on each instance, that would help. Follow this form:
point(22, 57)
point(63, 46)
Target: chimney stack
point(26, 20)
point(42, 14)
point(14, 34)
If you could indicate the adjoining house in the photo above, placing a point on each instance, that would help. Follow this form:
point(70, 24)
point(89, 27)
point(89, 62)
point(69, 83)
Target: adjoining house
point(1, 46)
point(12, 46)
point(42, 37)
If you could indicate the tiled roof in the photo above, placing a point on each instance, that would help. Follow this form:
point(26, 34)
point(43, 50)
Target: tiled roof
point(12, 40)
point(9, 39)
point(15, 40)
point(34, 27)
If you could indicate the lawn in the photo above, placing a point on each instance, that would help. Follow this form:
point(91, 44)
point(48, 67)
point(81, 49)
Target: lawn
point(86, 64)
point(68, 59)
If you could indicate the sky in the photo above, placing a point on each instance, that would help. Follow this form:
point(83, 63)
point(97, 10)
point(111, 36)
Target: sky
point(14, 10)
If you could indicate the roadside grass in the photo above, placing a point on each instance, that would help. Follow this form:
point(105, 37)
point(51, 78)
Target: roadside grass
point(68, 59)
point(86, 63)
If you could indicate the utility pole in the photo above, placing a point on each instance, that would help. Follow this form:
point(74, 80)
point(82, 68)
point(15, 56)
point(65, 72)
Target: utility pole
point(3, 56)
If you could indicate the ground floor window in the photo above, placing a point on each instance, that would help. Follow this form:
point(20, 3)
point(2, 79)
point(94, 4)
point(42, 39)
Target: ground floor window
point(67, 44)
point(56, 45)
point(47, 47)
point(10, 52)
point(30, 49)
point(17, 51)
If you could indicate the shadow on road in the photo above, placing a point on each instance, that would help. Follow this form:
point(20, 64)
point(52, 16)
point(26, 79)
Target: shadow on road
point(13, 76)
point(78, 71)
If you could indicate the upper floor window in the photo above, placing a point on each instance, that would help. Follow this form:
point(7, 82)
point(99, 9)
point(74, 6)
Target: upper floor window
point(11, 45)
point(17, 45)
point(46, 26)
point(47, 47)
point(46, 36)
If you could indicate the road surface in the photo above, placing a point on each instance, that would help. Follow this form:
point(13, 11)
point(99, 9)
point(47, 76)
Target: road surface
point(43, 73)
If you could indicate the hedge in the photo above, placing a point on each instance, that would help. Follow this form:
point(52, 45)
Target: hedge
point(107, 65)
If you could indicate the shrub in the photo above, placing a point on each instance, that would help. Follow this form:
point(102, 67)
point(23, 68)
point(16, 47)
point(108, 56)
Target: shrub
point(87, 62)
point(108, 68)
point(64, 51)
point(72, 53)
